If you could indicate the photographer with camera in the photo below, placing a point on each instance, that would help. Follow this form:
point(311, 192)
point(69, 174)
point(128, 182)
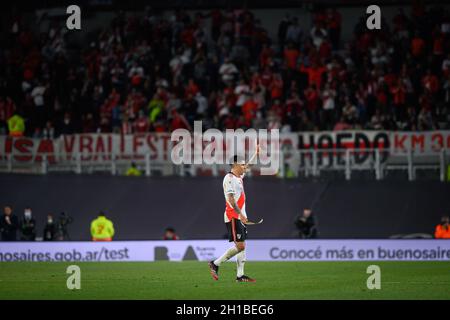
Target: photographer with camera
point(64, 221)
point(306, 225)
point(443, 229)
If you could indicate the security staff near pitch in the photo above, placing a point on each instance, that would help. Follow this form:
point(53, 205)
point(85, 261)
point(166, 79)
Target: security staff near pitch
point(102, 229)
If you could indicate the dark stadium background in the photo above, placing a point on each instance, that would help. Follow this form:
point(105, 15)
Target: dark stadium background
point(142, 208)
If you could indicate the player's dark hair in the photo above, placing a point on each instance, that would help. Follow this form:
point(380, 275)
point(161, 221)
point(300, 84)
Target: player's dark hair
point(101, 214)
point(236, 159)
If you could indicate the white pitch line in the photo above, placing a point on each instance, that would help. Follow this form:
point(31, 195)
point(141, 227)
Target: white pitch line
point(38, 280)
point(417, 282)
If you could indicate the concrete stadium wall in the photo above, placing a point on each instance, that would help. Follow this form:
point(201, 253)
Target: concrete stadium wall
point(142, 208)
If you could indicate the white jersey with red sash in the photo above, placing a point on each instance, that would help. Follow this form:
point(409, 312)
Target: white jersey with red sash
point(233, 184)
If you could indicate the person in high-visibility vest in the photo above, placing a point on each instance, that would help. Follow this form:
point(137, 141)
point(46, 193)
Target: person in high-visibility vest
point(133, 171)
point(443, 229)
point(16, 126)
point(102, 229)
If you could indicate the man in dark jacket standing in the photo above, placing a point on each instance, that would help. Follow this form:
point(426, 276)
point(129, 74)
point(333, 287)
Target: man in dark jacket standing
point(9, 223)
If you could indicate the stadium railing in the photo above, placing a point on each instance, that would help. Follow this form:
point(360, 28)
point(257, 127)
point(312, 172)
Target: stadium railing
point(380, 162)
point(293, 163)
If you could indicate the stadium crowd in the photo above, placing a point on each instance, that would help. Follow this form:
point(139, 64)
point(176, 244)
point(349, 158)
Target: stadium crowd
point(159, 72)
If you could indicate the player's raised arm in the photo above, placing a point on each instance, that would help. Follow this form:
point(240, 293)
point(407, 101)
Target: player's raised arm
point(249, 163)
point(233, 204)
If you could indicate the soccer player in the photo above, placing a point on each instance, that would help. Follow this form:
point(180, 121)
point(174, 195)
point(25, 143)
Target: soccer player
point(235, 219)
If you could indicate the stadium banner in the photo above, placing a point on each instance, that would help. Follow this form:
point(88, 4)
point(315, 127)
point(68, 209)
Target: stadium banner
point(98, 147)
point(159, 145)
point(205, 250)
point(427, 142)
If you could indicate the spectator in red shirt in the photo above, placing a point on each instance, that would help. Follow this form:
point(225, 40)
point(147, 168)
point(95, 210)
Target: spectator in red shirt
point(229, 122)
point(291, 55)
point(381, 98)
point(276, 87)
point(135, 102)
point(399, 98)
point(179, 121)
point(430, 82)
point(265, 58)
point(192, 88)
point(312, 97)
point(314, 74)
point(266, 77)
point(249, 109)
point(187, 36)
point(425, 101)
point(159, 126)
point(417, 46)
point(141, 124)
point(325, 50)
point(242, 123)
point(390, 79)
point(438, 42)
point(169, 234)
point(294, 105)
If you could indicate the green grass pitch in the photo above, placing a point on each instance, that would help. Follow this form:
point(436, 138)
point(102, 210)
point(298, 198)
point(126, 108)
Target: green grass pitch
point(191, 280)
